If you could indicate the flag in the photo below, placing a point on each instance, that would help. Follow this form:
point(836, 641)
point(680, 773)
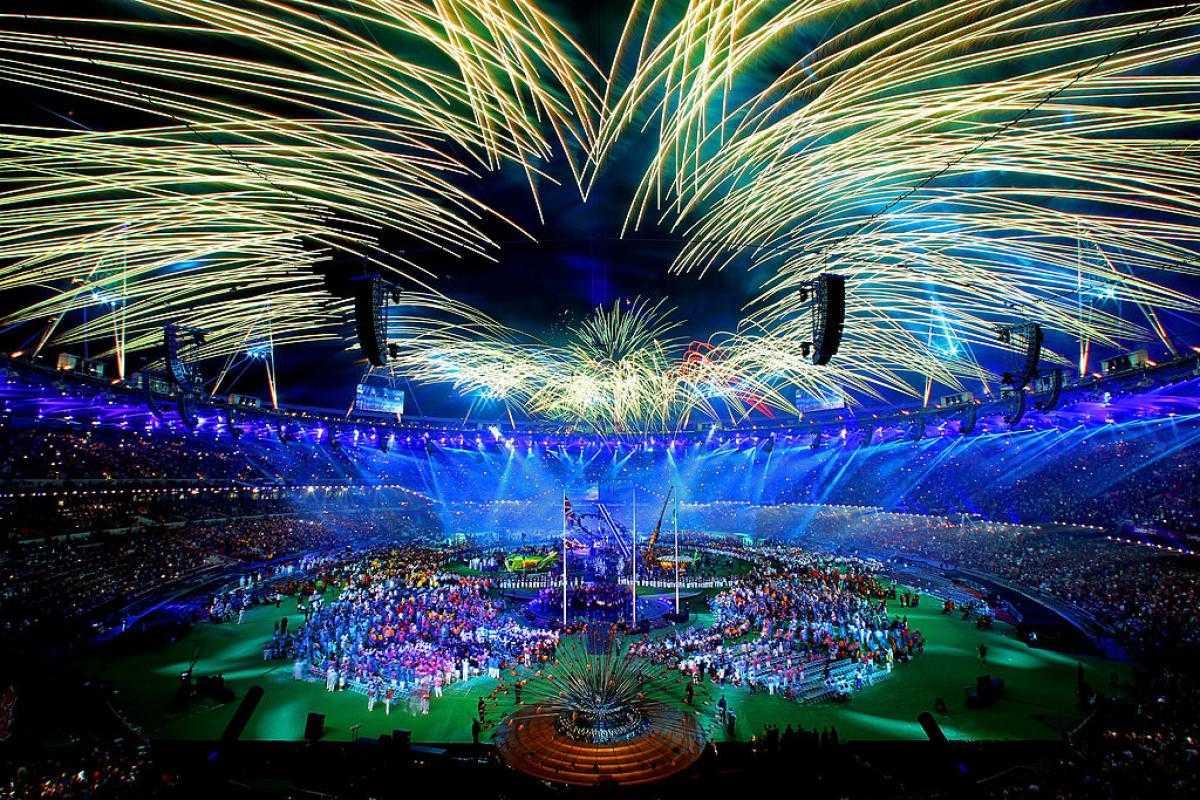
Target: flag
point(568, 514)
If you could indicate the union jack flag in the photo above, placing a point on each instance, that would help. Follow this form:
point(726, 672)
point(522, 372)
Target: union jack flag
point(568, 513)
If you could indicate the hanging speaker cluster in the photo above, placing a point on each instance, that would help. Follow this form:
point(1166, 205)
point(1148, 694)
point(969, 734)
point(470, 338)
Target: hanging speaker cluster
point(1029, 338)
point(970, 417)
point(176, 369)
point(179, 372)
point(182, 378)
point(1033, 354)
point(368, 290)
point(1017, 412)
point(151, 401)
point(370, 318)
point(183, 407)
point(828, 316)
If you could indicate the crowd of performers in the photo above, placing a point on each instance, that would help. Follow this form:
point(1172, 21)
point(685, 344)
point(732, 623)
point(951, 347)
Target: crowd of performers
point(397, 626)
point(266, 586)
point(402, 628)
point(810, 613)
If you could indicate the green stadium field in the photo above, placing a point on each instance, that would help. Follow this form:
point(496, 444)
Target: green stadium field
point(1039, 701)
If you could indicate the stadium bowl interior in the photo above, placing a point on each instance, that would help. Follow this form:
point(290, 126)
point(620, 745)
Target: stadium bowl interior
point(529, 399)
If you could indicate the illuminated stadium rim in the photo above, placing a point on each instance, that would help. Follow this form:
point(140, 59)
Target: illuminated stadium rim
point(1128, 396)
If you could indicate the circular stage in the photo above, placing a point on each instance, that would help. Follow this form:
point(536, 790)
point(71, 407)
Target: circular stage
point(533, 741)
point(597, 715)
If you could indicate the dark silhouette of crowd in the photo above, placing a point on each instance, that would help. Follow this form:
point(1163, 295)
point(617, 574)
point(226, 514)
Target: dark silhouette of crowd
point(63, 580)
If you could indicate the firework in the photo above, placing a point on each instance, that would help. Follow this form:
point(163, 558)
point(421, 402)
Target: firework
point(343, 131)
point(962, 164)
point(623, 369)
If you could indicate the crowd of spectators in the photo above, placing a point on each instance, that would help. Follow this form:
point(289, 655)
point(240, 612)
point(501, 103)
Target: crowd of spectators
point(109, 453)
point(67, 579)
point(1147, 596)
point(33, 514)
point(112, 769)
point(1141, 473)
point(1146, 744)
point(98, 515)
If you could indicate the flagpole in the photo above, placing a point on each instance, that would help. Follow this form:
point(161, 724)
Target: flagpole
point(676, 516)
point(633, 582)
point(564, 534)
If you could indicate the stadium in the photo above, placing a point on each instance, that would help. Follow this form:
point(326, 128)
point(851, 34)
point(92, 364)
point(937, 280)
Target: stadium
point(651, 398)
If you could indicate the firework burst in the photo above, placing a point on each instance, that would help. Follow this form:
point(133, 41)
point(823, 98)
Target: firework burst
point(964, 164)
point(624, 369)
point(350, 130)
